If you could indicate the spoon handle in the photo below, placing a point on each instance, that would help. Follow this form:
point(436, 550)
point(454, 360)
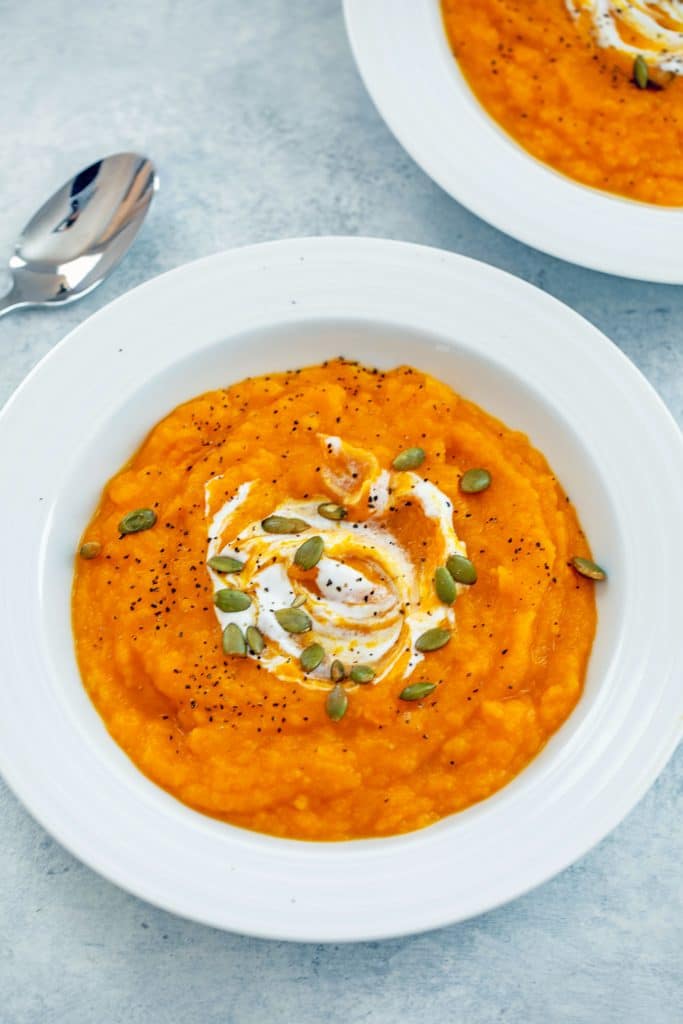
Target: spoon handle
point(12, 300)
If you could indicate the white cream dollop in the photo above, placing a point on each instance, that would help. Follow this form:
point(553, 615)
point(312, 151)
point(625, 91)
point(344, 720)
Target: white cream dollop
point(367, 599)
point(613, 20)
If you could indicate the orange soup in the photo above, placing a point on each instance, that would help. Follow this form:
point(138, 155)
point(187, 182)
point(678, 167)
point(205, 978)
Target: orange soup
point(593, 90)
point(333, 603)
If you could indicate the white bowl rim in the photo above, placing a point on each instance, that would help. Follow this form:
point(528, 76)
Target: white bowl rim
point(275, 888)
point(425, 104)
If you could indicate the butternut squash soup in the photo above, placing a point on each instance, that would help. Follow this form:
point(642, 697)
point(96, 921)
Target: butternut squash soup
point(333, 603)
point(593, 88)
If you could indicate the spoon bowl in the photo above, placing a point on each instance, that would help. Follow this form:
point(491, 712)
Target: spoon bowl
point(81, 233)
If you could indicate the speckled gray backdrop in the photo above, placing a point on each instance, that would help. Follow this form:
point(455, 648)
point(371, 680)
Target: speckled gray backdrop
point(261, 129)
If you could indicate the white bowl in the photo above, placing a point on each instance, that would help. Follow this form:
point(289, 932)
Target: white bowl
point(406, 63)
point(511, 348)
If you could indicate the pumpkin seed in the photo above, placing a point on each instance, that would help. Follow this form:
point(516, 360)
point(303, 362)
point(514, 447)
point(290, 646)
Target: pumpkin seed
point(475, 480)
point(641, 72)
point(416, 691)
point(255, 641)
point(328, 510)
point(310, 553)
point(293, 620)
point(223, 563)
point(337, 671)
point(90, 549)
point(362, 674)
point(299, 601)
point(140, 519)
point(233, 641)
point(432, 640)
point(462, 570)
point(311, 657)
point(444, 584)
point(229, 600)
point(336, 703)
point(410, 458)
point(585, 567)
point(281, 524)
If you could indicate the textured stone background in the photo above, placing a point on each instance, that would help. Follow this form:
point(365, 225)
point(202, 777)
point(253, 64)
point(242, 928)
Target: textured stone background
point(261, 129)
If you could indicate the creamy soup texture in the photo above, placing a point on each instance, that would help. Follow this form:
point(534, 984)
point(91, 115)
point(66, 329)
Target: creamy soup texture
point(593, 88)
point(265, 617)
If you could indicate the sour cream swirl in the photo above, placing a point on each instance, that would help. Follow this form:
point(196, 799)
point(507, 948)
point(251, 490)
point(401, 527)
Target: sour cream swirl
point(659, 23)
point(367, 598)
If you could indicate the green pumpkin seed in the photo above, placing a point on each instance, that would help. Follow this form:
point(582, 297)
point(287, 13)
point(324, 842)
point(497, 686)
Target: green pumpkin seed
point(281, 524)
point(311, 657)
point(140, 519)
point(337, 671)
point(90, 549)
point(255, 641)
point(641, 72)
point(475, 480)
point(336, 703)
point(328, 510)
point(293, 620)
point(233, 641)
point(585, 567)
point(445, 587)
point(299, 601)
point(223, 563)
point(462, 570)
point(416, 691)
point(432, 640)
point(310, 553)
point(229, 600)
point(410, 458)
point(362, 674)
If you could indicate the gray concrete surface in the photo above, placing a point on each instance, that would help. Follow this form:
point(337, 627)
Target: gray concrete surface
point(261, 129)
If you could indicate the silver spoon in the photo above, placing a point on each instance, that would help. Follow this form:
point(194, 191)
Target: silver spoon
point(77, 238)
